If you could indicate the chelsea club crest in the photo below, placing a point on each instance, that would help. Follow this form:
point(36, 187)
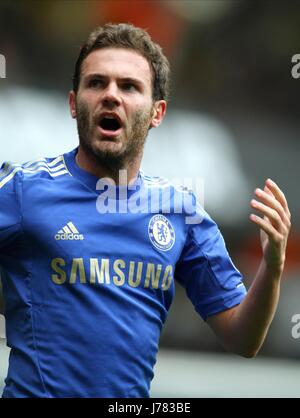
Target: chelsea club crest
point(161, 232)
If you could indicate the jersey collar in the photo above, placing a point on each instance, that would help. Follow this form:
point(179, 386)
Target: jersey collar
point(91, 181)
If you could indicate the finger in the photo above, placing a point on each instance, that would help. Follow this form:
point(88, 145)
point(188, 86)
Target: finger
point(278, 194)
point(268, 191)
point(267, 219)
point(266, 227)
point(269, 200)
point(271, 213)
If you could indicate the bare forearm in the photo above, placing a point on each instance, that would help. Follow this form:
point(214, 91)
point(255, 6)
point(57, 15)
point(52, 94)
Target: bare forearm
point(242, 329)
point(251, 320)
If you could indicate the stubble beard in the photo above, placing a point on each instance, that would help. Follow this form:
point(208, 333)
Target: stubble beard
point(132, 147)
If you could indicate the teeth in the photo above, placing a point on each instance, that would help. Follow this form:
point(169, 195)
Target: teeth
point(109, 117)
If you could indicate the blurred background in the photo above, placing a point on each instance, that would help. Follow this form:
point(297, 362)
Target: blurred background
point(233, 121)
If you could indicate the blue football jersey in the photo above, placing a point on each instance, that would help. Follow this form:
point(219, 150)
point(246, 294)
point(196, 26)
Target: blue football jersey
point(89, 272)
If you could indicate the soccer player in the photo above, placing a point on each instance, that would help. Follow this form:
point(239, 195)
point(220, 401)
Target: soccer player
point(90, 246)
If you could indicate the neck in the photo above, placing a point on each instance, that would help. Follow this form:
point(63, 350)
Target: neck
point(89, 163)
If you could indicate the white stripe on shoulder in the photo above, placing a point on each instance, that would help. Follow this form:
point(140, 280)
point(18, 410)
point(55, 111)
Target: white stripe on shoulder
point(46, 169)
point(163, 183)
point(54, 168)
point(156, 182)
point(43, 164)
point(10, 176)
point(44, 161)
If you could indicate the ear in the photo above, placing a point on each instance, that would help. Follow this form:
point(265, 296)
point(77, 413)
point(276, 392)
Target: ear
point(72, 103)
point(159, 111)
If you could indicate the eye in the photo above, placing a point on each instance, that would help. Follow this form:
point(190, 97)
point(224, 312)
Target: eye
point(129, 87)
point(96, 82)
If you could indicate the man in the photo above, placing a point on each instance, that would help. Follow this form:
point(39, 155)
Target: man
point(90, 264)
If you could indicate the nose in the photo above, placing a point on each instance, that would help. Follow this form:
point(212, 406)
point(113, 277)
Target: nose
point(111, 96)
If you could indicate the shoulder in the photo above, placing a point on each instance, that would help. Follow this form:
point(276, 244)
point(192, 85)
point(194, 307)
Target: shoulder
point(50, 168)
point(153, 181)
point(178, 196)
point(175, 185)
point(172, 188)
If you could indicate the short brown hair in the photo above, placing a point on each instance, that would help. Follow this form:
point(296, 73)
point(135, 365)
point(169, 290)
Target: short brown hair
point(125, 35)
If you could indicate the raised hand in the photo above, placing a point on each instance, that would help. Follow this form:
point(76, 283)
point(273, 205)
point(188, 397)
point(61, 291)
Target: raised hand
point(275, 224)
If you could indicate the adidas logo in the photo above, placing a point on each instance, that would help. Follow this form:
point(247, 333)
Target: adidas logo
point(68, 232)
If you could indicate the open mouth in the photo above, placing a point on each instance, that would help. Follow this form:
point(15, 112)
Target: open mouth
point(110, 123)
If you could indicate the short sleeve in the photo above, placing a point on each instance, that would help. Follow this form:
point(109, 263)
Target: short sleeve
point(206, 271)
point(10, 213)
